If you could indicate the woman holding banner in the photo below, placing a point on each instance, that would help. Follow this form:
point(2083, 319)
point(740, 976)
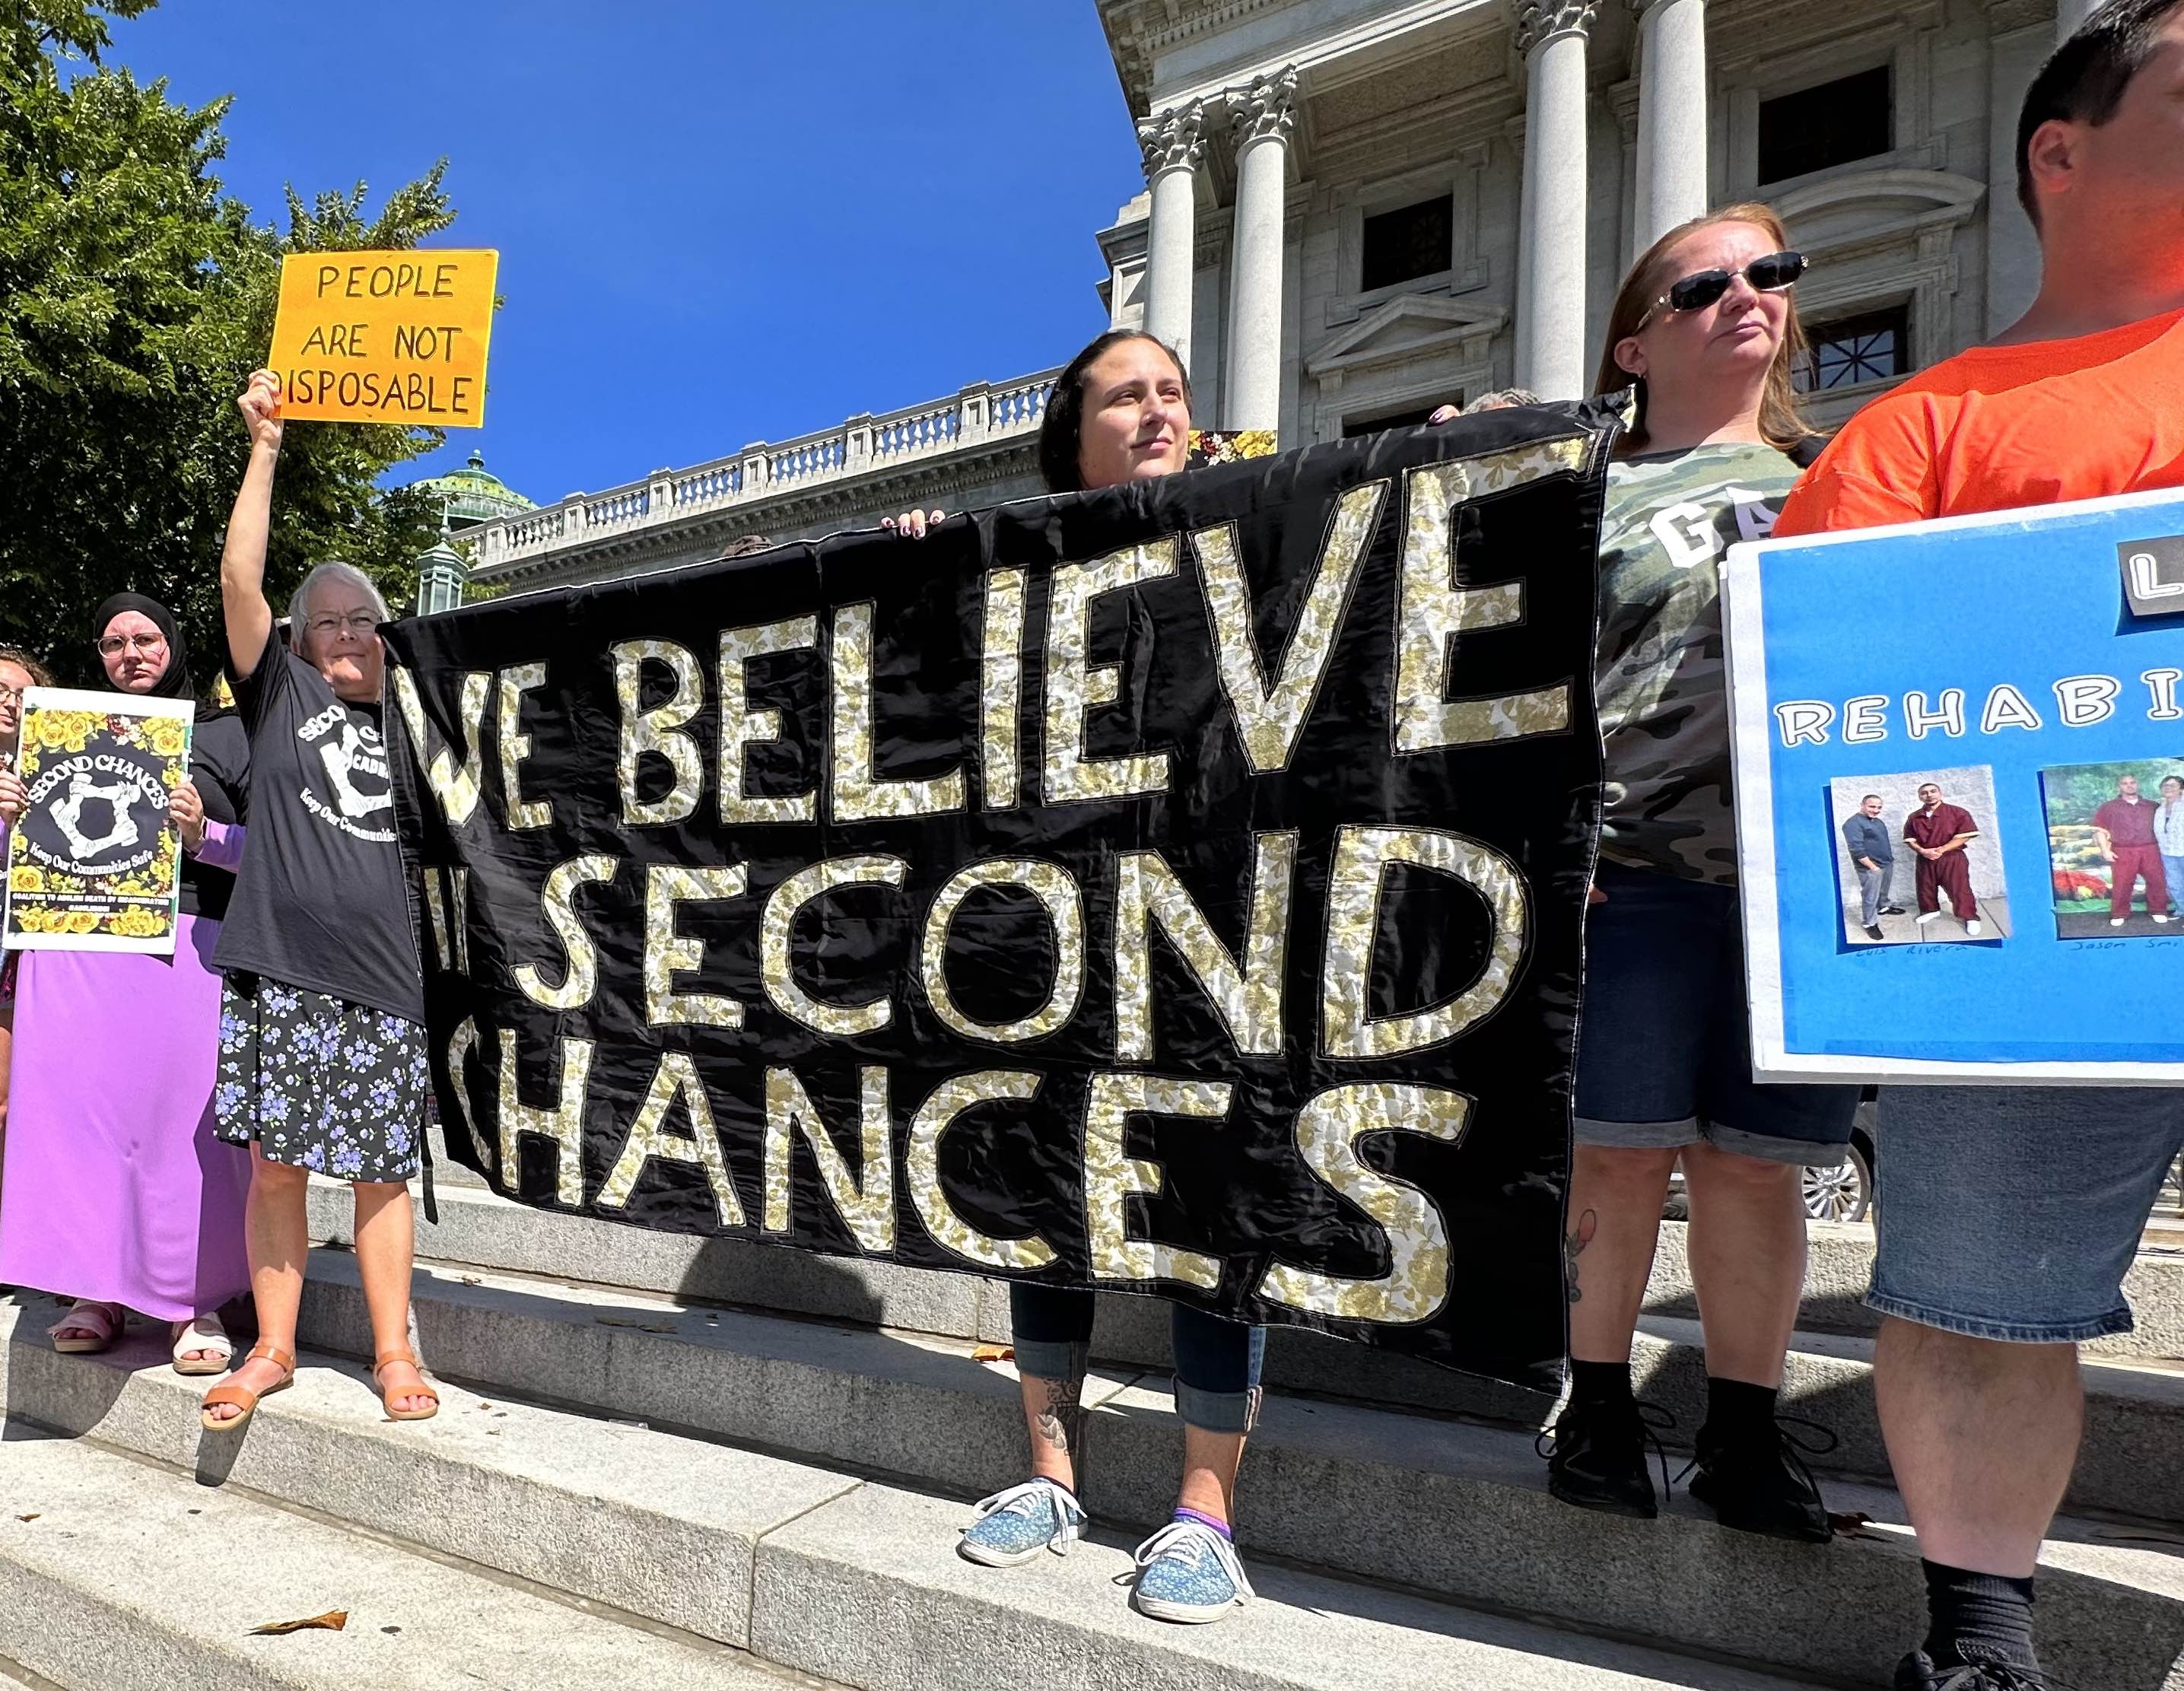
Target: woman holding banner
point(1120, 413)
point(116, 1192)
point(1704, 334)
point(322, 1063)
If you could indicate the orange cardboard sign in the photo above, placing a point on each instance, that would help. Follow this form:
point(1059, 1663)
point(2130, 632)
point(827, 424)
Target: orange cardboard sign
point(385, 338)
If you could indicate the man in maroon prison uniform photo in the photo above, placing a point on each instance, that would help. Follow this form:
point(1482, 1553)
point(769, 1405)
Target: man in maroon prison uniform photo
point(1939, 832)
point(2125, 825)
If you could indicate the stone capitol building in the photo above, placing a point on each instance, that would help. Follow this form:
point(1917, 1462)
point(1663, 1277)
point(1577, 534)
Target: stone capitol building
point(1356, 209)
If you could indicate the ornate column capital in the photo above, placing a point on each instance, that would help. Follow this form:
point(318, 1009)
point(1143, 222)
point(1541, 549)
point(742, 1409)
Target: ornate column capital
point(1173, 139)
point(1266, 108)
point(1540, 21)
point(1642, 7)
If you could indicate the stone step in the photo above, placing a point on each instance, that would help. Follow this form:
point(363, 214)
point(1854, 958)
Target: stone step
point(1442, 1506)
point(1839, 1266)
point(814, 1570)
point(121, 1575)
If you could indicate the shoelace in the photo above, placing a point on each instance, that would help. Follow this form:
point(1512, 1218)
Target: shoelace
point(1061, 1534)
point(1179, 1536)
point(1653, 1421)
point(1794, 1450)
point(1990, 1676)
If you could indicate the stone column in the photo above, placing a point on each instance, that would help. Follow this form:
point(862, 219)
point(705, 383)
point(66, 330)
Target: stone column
point(1551, 35)
point(1262, 122)
point(1173, 146)
point(1672, 116)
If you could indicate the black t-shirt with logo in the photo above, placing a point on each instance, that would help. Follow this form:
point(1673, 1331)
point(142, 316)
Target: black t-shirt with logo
point(320, 900)
point(219, 769)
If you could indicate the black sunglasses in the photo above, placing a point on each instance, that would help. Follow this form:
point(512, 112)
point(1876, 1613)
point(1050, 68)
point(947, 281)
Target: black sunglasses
point(1695, 292)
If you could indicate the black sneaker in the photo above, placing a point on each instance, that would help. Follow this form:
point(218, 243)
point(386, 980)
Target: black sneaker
point(1917, 1672)
point(1762, 1485)
point(1598, 1461)
point(1873, 932)
point(1894, 910)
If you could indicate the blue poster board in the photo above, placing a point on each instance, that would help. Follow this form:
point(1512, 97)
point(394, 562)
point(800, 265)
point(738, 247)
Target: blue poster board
point(1995, 687)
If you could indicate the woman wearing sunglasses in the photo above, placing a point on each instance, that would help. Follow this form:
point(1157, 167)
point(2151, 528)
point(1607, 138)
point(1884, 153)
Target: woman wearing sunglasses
point(116, 1194)
point(1704, 336)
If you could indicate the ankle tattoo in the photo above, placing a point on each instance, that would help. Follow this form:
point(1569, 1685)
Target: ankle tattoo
point(1062, 1416)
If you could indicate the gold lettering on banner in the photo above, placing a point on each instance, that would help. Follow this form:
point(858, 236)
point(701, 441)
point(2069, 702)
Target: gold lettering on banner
point(777, 970)
point(867, 1204)
point(649, 1137)
point(1356, 885)
point(515, 747)
point(461, 1043)
point(934, 1117)
point(1432, 610)
point(454, 784)
point(1328, 1129)
point(1054, 887)
point(1249, 998)
point(581, 979)
point(1270, 715)
point(564, 1124)
point(1075, 685)
point(1112, 1178)
point(658, 731)
point(741, 726)
point(1001, 673)
point(857, 792)
point(667, 954)
point(436, 915)
point(447, 913)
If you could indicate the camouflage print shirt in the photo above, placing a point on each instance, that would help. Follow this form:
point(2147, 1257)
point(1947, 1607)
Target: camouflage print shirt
point(1664, 699)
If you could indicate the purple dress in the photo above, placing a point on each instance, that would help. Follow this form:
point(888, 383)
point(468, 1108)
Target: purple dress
point(114, 1186)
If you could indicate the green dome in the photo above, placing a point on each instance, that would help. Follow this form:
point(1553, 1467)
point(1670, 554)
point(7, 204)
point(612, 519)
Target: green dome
point(473, 494)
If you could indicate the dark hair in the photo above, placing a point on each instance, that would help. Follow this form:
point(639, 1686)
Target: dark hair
point(1782, 422)
point(2166, 779)
point(2083, 81)
point(1062, 432)
point(1872, 795)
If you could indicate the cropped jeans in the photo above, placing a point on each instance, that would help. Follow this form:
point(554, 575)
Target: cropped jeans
point(1216, 1361)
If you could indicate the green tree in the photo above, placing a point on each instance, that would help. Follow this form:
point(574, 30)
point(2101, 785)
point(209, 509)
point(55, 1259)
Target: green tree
point(134, 296)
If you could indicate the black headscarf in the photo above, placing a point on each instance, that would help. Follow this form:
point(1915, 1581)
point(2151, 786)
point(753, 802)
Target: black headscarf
point(174, 680)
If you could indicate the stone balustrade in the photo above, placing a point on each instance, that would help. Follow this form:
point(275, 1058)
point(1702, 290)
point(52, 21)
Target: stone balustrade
point(980, 414)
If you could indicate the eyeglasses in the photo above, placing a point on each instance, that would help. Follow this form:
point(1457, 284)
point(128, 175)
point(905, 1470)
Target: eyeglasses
point(112, 645)
point(11, 695)
point(364, 622)
point(1775, 273)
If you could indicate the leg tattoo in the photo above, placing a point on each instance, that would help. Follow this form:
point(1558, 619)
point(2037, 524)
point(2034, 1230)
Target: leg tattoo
point(1062, 1416)
point(1580, 1236)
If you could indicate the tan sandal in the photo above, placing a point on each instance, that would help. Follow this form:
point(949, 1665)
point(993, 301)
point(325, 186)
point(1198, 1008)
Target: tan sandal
point(99, 1323)
point(242, 1396)
point(387, 1358)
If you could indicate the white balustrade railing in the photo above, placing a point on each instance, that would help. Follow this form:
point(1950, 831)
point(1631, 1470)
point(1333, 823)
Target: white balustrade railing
point(980, 414)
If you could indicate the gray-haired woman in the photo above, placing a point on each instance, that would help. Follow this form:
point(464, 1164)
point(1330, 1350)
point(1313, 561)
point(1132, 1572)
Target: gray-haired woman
point(322, 1061)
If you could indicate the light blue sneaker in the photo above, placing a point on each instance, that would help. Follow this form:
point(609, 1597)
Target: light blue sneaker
point(1188, 1573)
point(1014, 1526)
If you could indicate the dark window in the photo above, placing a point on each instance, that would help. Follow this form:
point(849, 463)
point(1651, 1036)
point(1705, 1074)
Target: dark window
point(1873, 346)
point(1354, 426)
point(1412, 242)
point(1853, 117)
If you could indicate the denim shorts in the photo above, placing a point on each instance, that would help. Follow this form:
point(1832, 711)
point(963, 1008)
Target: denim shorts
point(2013, 1212)
point(1664, 1042)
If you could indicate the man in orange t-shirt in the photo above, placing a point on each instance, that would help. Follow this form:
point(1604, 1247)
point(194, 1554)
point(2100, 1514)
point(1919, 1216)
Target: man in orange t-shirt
point(2009, 1215)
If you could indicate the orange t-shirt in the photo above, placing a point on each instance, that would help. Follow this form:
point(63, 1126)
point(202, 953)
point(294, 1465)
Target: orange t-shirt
point(1997, 428)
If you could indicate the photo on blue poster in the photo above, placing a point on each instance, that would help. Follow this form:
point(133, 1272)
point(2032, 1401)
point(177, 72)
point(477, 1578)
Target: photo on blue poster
point(1960, 796)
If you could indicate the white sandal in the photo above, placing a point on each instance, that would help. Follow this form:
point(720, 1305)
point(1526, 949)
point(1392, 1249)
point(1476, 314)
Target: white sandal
point(204, 1333)
point(102, 1321)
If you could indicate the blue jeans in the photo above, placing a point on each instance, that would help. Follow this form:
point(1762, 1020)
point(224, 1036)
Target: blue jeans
point(1216, 1361)
point(2013, 1213)
point(2172, 872)
point(1664, 1041)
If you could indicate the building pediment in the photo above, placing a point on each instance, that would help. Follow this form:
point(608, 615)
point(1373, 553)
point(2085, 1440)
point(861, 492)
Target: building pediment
point(1409, 327)
point(1840, 211)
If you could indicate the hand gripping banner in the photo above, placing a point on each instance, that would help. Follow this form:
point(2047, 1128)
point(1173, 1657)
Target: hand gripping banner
point(1176, 888)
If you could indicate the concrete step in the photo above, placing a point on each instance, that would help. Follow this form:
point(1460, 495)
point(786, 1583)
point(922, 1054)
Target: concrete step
point(748, 1549)
point(1440, 1506)
point(120, 1575)
point(2135, 1412)
point(1839, 1266)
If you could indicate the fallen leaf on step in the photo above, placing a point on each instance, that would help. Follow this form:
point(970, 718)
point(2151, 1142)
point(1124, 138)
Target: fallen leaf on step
point(331, 1622)
point(27, 1517)
point(471, 1280)
point(993, 1353)
point(1854, 1525)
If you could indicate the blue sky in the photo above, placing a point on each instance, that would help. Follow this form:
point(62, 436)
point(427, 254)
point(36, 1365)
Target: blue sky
point(719, 220)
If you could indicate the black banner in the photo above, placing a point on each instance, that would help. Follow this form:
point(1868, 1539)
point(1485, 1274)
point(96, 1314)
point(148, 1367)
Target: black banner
point(1176, 888)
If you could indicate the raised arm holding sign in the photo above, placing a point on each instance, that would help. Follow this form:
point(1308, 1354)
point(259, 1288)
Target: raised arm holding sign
point(385, 338)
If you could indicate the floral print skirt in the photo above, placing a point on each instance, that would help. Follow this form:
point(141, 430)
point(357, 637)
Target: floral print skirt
point(319, 1082)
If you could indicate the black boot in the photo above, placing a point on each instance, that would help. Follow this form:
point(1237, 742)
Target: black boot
point(1598, 1461)
point(1755, 1480)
